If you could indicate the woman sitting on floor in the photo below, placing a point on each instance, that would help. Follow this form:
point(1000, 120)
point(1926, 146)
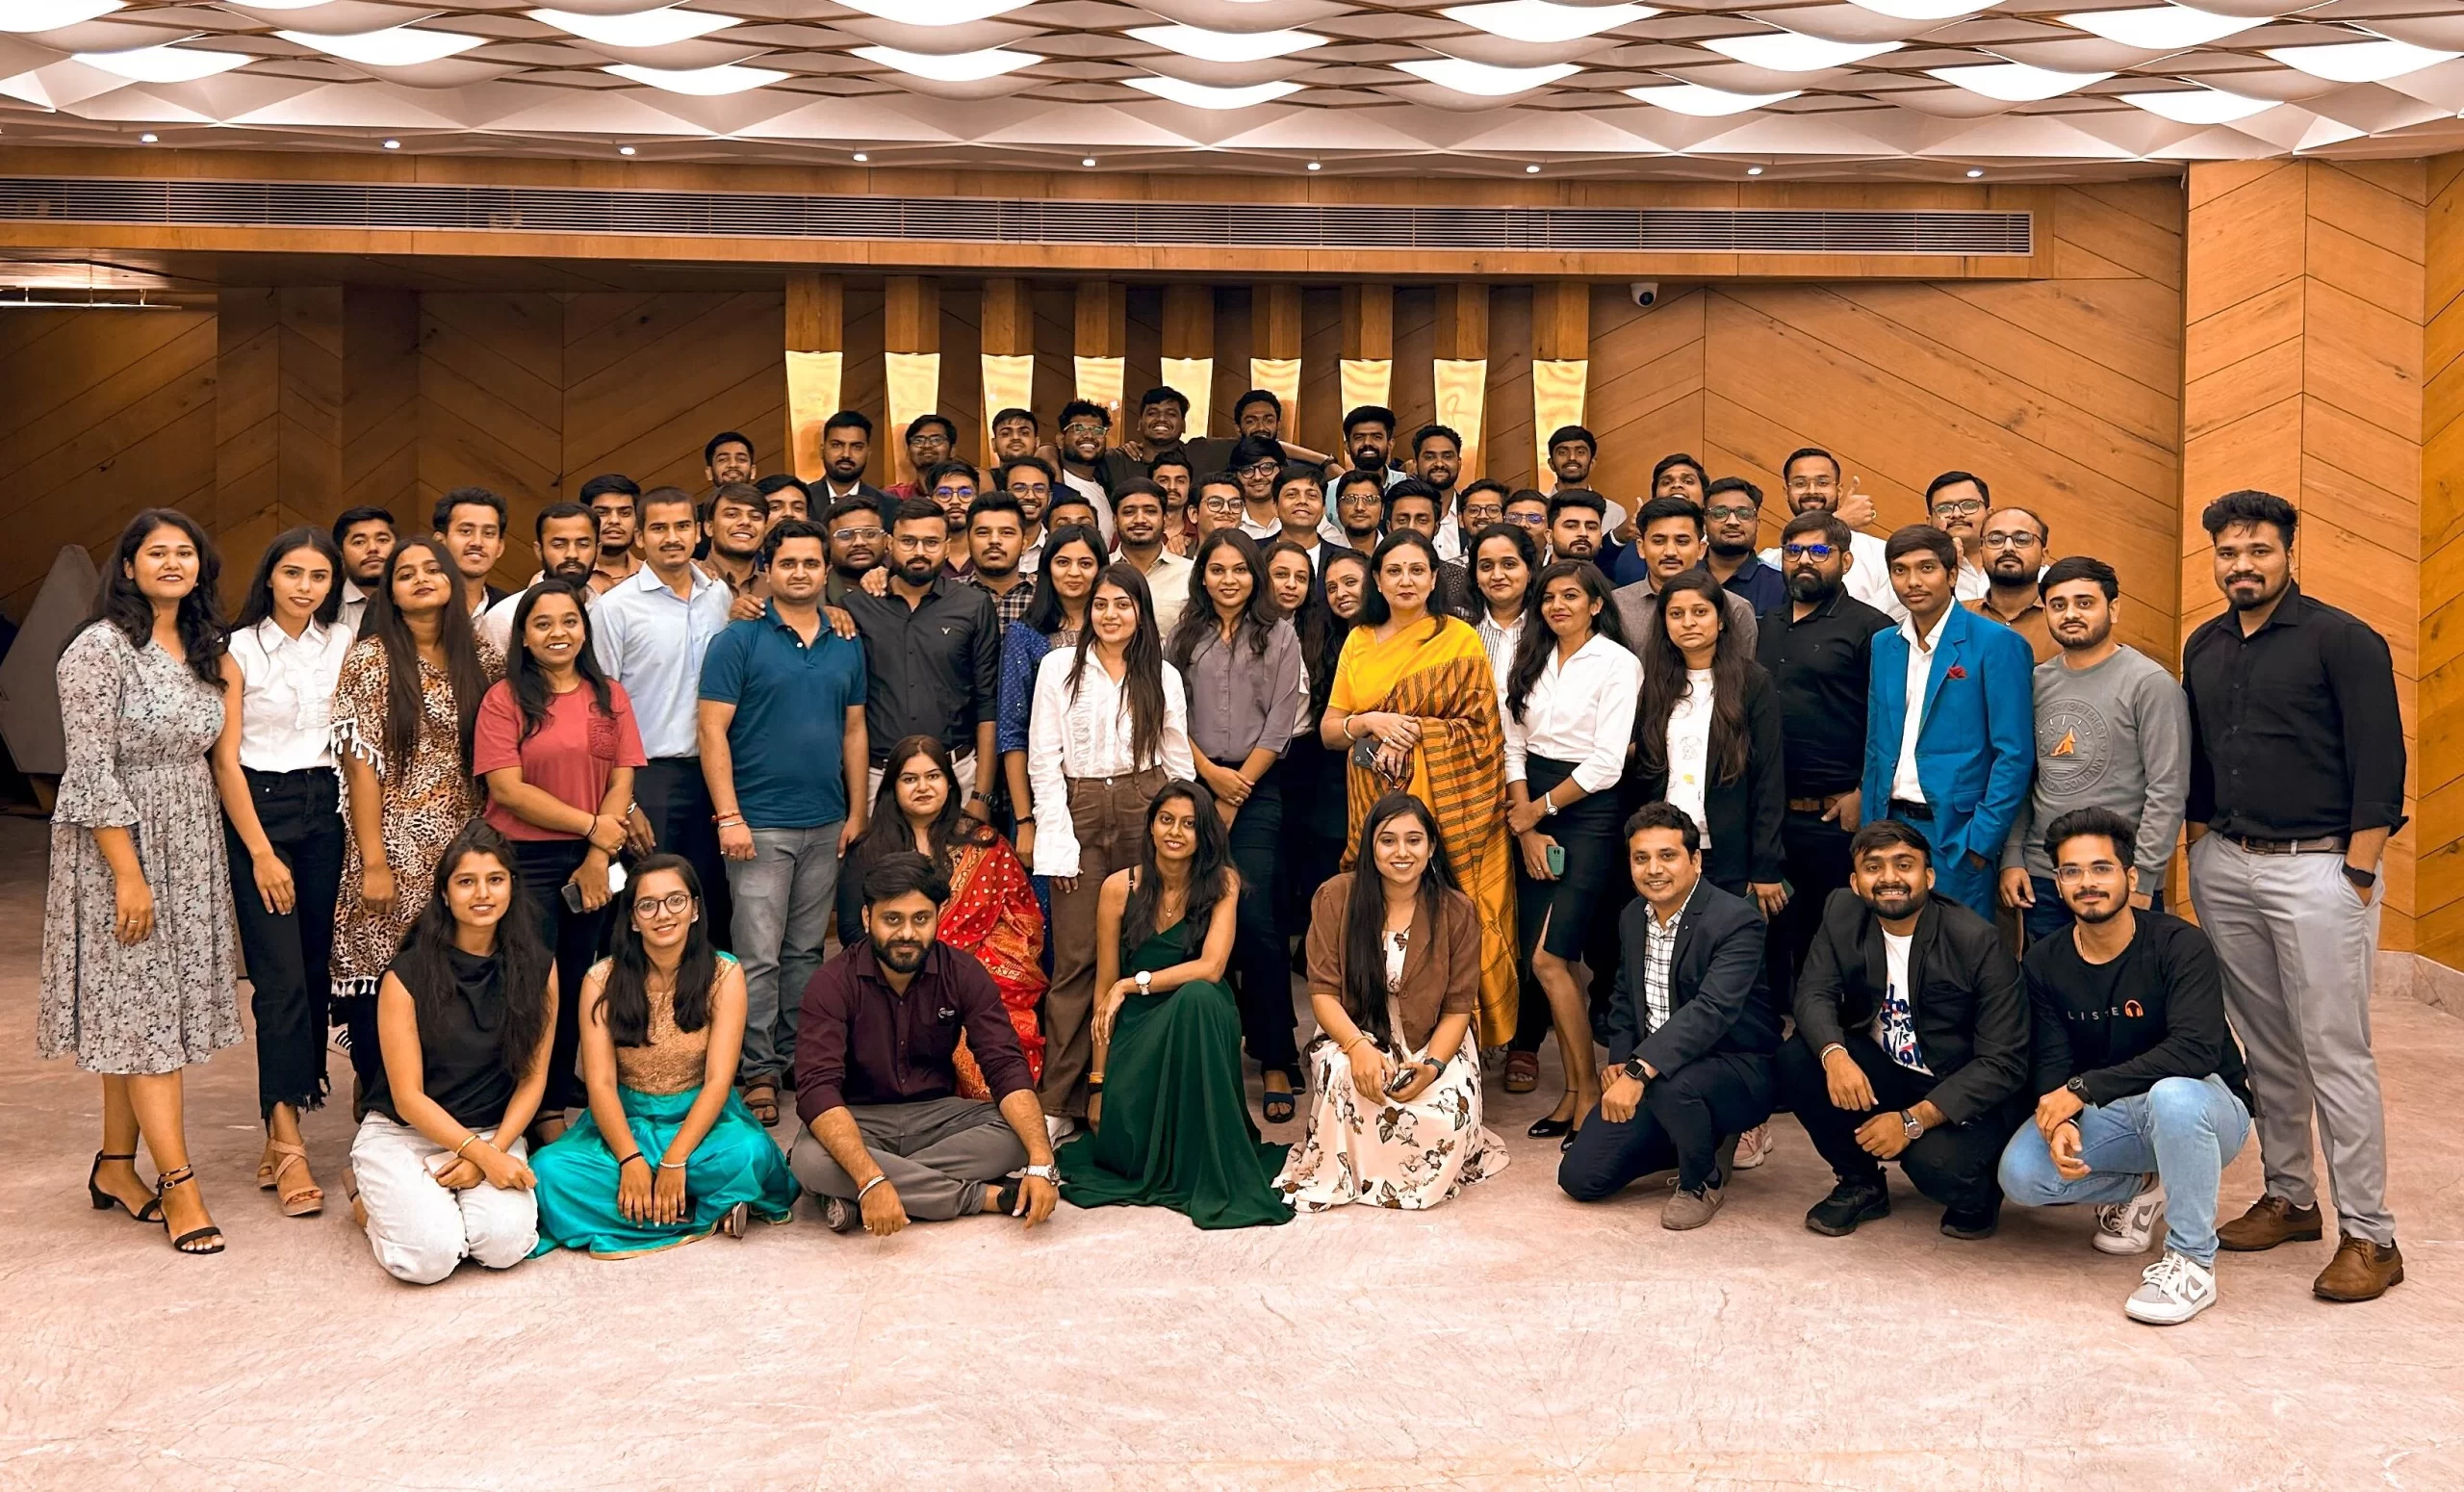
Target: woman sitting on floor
point(1176, 1131)
point(465, 1015)
point(662, 1024)
point(1394, 981)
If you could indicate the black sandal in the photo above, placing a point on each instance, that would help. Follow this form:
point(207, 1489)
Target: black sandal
point(105, 1201)
point(1288, 1101)
point(182, 1177)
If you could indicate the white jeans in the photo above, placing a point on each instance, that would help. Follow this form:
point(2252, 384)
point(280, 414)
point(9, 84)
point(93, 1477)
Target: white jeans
point(421, 1230)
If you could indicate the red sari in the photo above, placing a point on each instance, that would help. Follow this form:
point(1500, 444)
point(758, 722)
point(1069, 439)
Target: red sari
point(992, 914)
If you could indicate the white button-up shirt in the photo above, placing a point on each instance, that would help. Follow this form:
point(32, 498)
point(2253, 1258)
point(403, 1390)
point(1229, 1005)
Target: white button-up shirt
point(1689, 750)
point(1582, 710)
point(354, 606)
point(1499, 643)
point(1089, 736)
point(1168, 585)
point(495, 624)
point(287, 694)
point(652, 641)
point(1903, 783)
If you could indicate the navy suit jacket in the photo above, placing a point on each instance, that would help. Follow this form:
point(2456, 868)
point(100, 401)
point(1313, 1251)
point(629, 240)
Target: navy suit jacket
point(1976, 748)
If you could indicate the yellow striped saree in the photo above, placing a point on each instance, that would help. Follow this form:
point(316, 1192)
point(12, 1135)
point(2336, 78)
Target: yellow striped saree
point(1443, 678)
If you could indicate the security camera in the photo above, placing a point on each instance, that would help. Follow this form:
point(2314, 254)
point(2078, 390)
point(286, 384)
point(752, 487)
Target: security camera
point(1646, 292)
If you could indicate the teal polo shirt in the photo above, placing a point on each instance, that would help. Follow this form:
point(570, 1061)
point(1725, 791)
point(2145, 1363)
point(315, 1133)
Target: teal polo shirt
point(792, 704)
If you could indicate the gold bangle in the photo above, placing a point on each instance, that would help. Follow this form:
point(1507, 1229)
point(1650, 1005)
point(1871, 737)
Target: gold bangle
point(468, 1141)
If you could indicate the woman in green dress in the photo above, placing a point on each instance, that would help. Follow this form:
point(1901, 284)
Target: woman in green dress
point(1170, 1110)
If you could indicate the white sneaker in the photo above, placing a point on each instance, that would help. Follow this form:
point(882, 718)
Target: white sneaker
point(1753, 1146)
point(1059, 1126)
point(2172, 1291)
point(2129, 1228)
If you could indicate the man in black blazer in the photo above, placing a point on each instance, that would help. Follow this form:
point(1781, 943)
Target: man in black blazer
point(1690, 1028)
point(1912, 1041)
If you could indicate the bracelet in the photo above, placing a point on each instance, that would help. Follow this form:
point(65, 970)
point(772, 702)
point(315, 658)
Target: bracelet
point(1354, 1042)
point(869, 1185)
point(629, 1159)
point(665, 1164)
point(727, 820)
point(1094, 1082)
point(468, 1141)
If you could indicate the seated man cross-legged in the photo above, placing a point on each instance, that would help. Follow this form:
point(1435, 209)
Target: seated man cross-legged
point(887, 1137)
point(1912, 1041)
point(2141, 1094)
point(1691, 1029)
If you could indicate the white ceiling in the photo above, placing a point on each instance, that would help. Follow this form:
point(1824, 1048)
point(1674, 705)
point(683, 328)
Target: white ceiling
point(1925, 89)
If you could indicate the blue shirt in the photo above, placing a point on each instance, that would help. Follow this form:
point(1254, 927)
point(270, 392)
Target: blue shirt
point(650, 640)
point(1762, 585)
point(792, 704)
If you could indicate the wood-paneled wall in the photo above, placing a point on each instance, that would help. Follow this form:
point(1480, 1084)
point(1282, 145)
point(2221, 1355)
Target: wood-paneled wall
point(2438, 768)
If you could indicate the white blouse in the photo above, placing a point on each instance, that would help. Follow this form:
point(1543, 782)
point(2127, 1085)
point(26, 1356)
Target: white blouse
point(287, 694)
point(1499, 643)
point(1089, 736)
point(1689, 748)
point(1582, 711)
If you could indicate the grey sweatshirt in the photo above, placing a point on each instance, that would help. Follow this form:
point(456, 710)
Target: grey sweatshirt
point(2112, 737)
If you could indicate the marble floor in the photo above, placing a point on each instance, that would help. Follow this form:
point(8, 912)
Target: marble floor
point(1511, 1338)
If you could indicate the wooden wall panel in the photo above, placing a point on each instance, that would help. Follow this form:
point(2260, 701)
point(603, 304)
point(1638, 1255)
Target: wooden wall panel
point(1508, 416)
point(1414, 392)
point(649, 379)
point(1647, 389)
point(491, 384)
point(1235, 344)
point(2438, 766)
point(1321, 389)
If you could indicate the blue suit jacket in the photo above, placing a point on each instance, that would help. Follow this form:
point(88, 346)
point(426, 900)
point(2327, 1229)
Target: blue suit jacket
point(1976, 750)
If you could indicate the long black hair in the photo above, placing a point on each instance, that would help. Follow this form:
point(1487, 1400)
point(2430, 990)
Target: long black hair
point(523, 959)
point(1141, 680)
point(405, 701)
point(1531, 650)
point(258, 604)
point(118, 603)
point(1210, 866)
point(625, 1003)
point(1664, 684)
point(1373, 609)
point(886, 832)
point(1364, 991)
point(1044, 614)
point(528, 680)
point(1258, 614)
point(1319, 631)
point(1524, 548)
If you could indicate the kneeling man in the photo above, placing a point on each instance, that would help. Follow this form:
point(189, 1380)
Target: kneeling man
point(2141, 1095)
point(886, 1135)
point(1690, 1028)
point(1912, 1041)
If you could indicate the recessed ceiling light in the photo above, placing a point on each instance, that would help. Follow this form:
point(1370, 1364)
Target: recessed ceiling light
point(950, 67)
point(1702, 102)
point(624, 150)
point(1532, 170)
point(1974, 173)
point(1922, 10)
point(1314, 166)
point(1087, 161)
point(164, 63)
point(2161, 28)
point(1483, 80)
point(147, 139)
point(392, 145)
point(860, 158)
point(2015, 83)
point(2360, 61)
point(1224, 46)
point(645, 28)
point(935, 13)
point(51, 14)
point(1787, 51)
point(1199, 95)
point(1753, 170)
point(2200, 105)
point(396, 46)
point(700, 82)
point(1540, 21)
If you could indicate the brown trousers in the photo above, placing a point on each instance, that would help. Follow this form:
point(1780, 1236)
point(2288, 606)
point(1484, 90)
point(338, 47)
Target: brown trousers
point(1109, 815)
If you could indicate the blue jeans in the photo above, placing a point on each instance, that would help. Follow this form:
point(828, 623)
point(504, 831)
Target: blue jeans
point(784, 896)
point(2184, 1129)
point(2049, 915)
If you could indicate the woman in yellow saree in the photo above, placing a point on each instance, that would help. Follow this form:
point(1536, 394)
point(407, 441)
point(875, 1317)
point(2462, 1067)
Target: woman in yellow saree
point(1415, 704)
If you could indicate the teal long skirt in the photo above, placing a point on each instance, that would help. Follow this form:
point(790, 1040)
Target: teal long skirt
point(736, 1162)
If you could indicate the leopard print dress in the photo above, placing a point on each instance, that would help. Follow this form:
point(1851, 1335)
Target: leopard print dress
point(428, 800)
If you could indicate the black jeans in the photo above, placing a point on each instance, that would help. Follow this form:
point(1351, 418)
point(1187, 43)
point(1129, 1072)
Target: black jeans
point(1263, 969)
point(1680, 1122)
point(574, 937)
point(674, 797)
point(290, 955)
point(1815, 858)
point(1954, 1163)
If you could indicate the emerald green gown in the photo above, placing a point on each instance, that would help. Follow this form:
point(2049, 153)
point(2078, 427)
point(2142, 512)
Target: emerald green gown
point(1175, 1128)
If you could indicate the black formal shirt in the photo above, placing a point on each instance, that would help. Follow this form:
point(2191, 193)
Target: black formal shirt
point(2295, 732)
point(934, 669)
point(859, 1041)
point(1820, 668)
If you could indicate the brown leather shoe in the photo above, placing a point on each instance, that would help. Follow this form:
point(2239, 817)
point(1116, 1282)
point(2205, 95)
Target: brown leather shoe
point(2360, 1271)
point(2270, 1222)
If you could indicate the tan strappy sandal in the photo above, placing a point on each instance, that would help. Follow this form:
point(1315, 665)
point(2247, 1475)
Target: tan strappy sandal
point(305, 1201)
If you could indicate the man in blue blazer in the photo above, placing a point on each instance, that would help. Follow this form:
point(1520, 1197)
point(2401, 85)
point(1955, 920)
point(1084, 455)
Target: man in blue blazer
point(1950, 729)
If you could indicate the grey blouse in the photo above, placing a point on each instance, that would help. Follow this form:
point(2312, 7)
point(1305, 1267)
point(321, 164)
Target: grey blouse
point(1240, 702)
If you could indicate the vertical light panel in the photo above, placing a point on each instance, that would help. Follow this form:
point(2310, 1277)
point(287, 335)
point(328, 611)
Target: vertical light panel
point(814, 380)
point(1194, 377)
point(1280, 377)
point(1461, 388)
point(1367, 381)
point(912, 382)
point(1099, 382)
point(1556, 399)
point(1009, 383)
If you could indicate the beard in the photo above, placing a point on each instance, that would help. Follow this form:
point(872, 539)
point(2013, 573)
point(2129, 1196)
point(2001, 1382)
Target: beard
point(572, 570)
point(918, 571)
point(2102, 913)
point(2260, 598)
point(1727, 551)
point(1811, 585)
point(903, 957)
point(2094, 638)
point(1895, 900)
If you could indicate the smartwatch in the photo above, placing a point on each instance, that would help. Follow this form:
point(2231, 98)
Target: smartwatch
point(2077, 1088)
point(1145, 982)
point(2364, 879)
point(1635, 1069)
point(1908, 1125)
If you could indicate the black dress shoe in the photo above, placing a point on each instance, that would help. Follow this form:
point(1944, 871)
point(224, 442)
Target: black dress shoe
point(1850, 1203)
point(1549, 1128)
point(1970, 1225)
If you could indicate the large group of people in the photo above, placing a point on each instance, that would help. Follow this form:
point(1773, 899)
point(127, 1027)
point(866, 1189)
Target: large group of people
point(1082, 758)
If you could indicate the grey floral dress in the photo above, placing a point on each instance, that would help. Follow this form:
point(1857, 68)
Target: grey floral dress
point(139, 725)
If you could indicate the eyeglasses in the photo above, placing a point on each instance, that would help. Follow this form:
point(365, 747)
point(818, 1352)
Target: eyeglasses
point(2073, 875)
point(1262, 468)
point(1717, 514)
point(1528, 519)
point(674, 903)
point(1084, 428)
point(919, 541)
point(1815, 551)
point(954, 491)
point(1221, 504)
point(1025, 490)
point(1997, 539)
point(1960, 508)
point(860, 535)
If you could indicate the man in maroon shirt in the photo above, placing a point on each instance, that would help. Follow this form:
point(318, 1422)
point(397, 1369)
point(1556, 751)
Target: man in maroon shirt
point(886, 1135)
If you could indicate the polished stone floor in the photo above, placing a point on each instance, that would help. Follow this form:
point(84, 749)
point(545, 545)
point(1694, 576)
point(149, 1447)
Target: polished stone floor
point(1509, 1339)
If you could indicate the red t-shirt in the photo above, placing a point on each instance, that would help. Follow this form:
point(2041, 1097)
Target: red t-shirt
point(571, 755)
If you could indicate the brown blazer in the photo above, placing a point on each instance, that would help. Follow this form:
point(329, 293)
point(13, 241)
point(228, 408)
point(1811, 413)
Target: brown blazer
point(1441, 974)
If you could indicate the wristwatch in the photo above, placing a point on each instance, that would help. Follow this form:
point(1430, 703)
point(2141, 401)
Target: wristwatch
point(1908, 1124)
point(1635, 1069)
point(1145, 982)
point(2077, 1088)
point(2365, 879)
point(1051, 1173)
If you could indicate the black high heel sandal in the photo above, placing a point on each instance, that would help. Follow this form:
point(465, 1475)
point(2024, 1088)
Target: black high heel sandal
point(105, 1201)
point(182, 1177)
point(1547, 1127)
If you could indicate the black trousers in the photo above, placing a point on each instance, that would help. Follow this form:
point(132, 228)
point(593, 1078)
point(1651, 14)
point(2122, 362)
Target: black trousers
point(290, 955)
point(676, 801)
point(1259, 963)
point(1680, 1122)
point(1954, 1163)
point(1315, 806)
point(574, 937)
point(1814, 856)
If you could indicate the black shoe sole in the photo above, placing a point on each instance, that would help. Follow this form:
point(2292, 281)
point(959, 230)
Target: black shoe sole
point(1873, 1212)
point(1971, 1235)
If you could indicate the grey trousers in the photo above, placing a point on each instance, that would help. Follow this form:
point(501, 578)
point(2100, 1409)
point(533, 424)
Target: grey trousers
point(2297, 946)
point(784, 896)
point(939, 1154)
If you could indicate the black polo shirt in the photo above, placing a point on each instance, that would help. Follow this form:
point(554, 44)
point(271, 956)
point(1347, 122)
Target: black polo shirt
point(933, 669)
point(1820, 667)
point(2295, 732)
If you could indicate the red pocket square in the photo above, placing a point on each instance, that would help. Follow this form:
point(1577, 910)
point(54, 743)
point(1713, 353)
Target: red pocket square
point(1956, 672)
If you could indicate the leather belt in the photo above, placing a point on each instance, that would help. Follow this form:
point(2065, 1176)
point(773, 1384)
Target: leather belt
point(1809, 804)
point(2325, 844)
point(1915, 813)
